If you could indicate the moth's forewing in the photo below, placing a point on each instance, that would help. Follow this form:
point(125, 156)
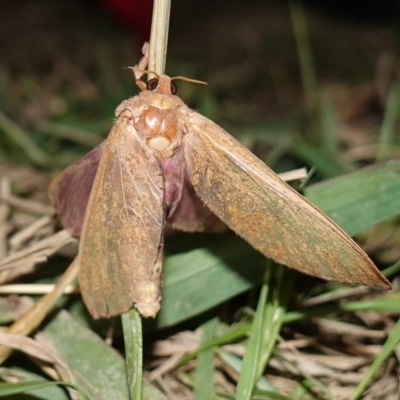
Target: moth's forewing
point(121, 243)
point(254, 202)
point(192, 215)
point(69, 191)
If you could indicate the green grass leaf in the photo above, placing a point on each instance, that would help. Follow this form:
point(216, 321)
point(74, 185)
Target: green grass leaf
point(98, 369)
point(204, 378)
point(225, 269)
point(388, 129)
point(8, 389)
point(387, 349)
point(132, 328)
point(361, 199)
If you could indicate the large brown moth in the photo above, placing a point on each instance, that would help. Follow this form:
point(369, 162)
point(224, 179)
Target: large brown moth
point(163, 162)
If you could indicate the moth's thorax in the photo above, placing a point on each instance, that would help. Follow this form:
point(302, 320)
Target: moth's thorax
point(159, 127)
point(163, 102)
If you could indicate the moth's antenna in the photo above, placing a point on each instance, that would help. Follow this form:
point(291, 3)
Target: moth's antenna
point(183, 78)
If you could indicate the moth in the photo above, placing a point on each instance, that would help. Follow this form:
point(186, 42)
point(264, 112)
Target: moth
point(165, 163)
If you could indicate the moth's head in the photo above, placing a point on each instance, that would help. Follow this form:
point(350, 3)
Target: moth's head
point(163, 84)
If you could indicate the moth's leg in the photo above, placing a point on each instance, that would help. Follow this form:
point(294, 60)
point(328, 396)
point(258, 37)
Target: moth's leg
point(145, 52)
point(140, 69)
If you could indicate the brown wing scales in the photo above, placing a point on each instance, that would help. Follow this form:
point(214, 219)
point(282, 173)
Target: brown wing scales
point(122, 233)
point(254, 202)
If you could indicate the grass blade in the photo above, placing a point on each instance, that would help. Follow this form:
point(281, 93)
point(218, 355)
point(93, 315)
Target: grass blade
point(306, 63)
point(22, 140)
point(132, 329)
point(388, 128)
point(328, 125)
point(387, 349)
point(8, 389)
point(204, 378)
point(264, 330)
point(248, 375)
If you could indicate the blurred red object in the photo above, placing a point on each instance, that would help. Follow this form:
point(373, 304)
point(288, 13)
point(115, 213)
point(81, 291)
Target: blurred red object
point(136, 14)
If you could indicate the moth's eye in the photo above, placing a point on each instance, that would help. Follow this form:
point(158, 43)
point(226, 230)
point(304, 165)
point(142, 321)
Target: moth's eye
point(152, 84)
point(174, 89)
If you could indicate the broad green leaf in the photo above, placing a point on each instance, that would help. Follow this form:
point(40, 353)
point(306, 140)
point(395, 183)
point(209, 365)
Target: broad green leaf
point(361, 199)
point(201, 279)
point(98, 369)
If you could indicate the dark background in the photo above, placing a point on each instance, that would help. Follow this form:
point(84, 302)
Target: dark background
point(64, 61)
